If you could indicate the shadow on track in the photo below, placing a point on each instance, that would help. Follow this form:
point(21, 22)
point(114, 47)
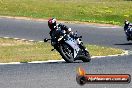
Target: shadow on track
point(124, 44)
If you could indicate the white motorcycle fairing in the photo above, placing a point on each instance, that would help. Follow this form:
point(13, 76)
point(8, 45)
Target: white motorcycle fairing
point(73, 43)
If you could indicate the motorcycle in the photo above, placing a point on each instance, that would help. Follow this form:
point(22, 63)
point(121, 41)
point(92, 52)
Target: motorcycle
point(128, 30)
point(128, 33)
point(71, 48)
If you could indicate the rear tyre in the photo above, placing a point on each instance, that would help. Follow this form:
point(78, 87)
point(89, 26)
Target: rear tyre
point(128, 38)
point(87, 57)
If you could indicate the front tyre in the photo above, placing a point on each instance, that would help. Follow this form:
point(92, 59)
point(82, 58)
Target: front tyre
point(66, 52)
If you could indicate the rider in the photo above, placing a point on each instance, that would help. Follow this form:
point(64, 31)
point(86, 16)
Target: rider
point(56, 29)
point(127, 27)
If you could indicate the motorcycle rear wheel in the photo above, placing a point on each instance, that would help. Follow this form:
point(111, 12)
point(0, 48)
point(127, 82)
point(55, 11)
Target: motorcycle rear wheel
point(85, 57)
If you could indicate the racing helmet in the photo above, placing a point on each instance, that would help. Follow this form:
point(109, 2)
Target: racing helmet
point(52, 23)
point(126, 22)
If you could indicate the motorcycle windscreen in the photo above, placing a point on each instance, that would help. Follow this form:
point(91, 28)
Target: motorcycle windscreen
point(74, 45)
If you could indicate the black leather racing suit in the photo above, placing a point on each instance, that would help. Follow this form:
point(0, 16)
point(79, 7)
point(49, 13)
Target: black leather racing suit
point(128, 29)
point(59, 30)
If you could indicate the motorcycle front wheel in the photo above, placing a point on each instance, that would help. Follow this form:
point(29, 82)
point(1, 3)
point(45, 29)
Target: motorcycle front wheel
point(66, 52)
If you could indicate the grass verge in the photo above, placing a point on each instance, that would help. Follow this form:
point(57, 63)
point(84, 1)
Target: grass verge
point(97, 11)
point(23, 51)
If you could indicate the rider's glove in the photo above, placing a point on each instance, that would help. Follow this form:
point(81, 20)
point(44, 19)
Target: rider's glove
point(68, 30)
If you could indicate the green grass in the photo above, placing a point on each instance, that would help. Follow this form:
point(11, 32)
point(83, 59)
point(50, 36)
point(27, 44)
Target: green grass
point(24, 51)
point(100, 11)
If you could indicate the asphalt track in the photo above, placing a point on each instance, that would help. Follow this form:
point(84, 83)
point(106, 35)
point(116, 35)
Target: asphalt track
point(61, 74)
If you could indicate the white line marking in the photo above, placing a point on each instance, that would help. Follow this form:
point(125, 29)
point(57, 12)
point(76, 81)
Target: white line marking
point(10, 63)
point(49, 61)
point(41, 41)
point(6, 37)
point(23, 39)
point(16, 38)
point(125, 53)
point(31, 40)
point(108, 27)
